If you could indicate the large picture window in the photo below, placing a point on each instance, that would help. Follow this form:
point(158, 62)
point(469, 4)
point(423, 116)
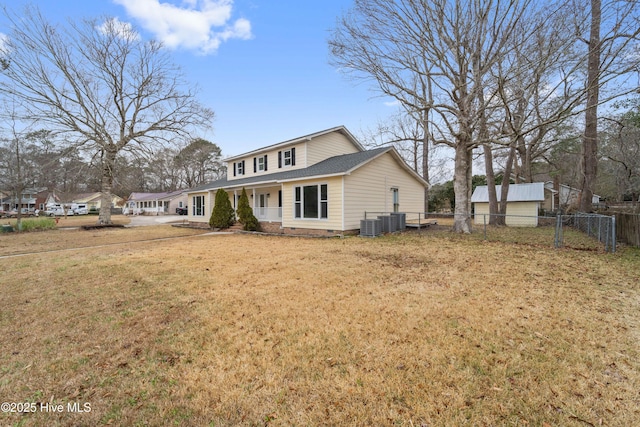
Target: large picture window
point(311, 202)
point(198, 205)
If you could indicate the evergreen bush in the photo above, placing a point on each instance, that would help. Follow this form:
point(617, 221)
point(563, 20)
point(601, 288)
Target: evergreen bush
point(245, 214)
point(222, 215)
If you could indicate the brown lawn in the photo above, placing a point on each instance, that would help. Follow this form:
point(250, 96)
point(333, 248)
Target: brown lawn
point(405, 330)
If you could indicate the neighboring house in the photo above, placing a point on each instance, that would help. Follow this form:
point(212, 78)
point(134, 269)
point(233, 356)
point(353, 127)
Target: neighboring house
point(27, 200)
point(316, 184)
point(156, 203)
point(523, 204)
point(563, 197)
point(94, 200)
point(46, 198)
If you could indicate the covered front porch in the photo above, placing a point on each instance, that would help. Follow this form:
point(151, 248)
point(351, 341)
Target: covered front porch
point(266, 201)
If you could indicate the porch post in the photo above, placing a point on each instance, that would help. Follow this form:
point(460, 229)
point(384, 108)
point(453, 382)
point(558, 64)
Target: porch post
point(235, 203)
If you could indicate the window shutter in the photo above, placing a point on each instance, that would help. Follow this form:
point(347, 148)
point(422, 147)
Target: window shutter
point(279, 159)
point(244, 170)
point(255, 168)
point(293, 156)
point(265, 162)
point(234, 168)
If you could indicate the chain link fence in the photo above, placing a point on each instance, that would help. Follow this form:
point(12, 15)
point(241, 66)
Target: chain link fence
point(596, 226)
point(577, 231)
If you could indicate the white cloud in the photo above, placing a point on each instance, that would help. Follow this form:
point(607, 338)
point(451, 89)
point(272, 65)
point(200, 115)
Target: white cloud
point(123, 29)
point(196, 24)
point(394, 103)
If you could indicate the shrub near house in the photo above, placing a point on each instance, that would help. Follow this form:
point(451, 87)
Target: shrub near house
point(222, 215)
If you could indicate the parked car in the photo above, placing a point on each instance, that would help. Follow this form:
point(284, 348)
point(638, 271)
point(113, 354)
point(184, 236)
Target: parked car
point(57, 211)
point(182, 211)
point(81, 210)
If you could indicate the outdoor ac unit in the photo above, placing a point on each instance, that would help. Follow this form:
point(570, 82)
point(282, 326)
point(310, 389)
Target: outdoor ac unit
point(401, 218)
point(370, 227)
point(389, 223)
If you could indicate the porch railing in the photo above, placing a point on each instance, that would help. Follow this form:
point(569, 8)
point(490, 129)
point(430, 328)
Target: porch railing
point(268, 214)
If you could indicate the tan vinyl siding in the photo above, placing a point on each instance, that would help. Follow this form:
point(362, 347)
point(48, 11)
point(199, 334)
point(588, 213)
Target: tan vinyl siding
point(480, 210)
point(272, 162)
point(522, 214)
point(334, 220)
point(329, 145)
point(519, 214)
point(369, 189)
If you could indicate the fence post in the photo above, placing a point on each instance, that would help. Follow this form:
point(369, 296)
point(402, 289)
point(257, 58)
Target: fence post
point(613, 234)
point(484, 219)
point(556, 242)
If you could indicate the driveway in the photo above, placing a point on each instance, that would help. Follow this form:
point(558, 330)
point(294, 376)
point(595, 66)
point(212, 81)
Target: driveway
point(142, 220)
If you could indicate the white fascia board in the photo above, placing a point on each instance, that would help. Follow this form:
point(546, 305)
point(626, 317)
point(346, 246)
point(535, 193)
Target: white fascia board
point(310, 177)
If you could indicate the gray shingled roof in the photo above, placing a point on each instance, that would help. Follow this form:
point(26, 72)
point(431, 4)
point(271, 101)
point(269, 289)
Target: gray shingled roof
point(332, 166)
point(533, 192)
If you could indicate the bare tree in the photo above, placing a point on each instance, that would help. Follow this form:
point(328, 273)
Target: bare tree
point(451, 42)
point(199, 161)
point(100, 85)
point(610, 39)
point(18, 169)
point(620, 151)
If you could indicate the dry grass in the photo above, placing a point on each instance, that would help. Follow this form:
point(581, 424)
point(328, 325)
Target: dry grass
point(63, 239)
point(249, 330)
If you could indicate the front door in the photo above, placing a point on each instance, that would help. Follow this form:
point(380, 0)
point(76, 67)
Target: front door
point(262, 205)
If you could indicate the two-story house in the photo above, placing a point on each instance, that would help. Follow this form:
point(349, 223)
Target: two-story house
point(316, 184)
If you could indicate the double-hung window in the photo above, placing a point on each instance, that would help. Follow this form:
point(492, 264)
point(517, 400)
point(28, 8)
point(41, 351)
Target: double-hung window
point(287, 158)
point(198, 205)
point(311, 202)
point(260, 164)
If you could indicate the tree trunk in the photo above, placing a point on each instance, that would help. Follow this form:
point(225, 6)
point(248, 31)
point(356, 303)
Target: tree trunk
point(504, 189)
point(108, 165)
point(461, 189)
point(590, 139)
point(425, 159)
point(491, 184)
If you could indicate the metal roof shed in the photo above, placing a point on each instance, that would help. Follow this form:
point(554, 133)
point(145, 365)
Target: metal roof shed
point(523, 203)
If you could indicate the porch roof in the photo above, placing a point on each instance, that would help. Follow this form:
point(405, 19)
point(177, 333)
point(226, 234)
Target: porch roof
point(167, 195)
point(337, 165)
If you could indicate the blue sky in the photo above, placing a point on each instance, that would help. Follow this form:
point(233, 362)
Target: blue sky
point(261, 65)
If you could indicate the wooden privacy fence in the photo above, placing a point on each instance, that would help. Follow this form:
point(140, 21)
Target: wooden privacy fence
point(628, 228)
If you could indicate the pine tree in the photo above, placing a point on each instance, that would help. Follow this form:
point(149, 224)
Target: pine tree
point(245, 214)
point(222, 215)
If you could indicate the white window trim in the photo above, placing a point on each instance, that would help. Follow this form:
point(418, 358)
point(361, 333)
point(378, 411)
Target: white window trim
point(284, 158)
point(302, 217)
point(194, 206)
point(261, 164)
